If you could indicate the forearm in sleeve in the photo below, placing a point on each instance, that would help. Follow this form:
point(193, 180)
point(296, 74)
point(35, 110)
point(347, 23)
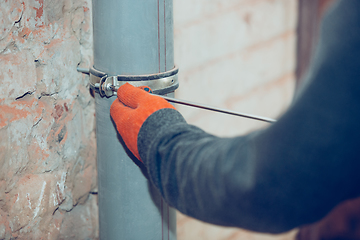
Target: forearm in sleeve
point(289, 174)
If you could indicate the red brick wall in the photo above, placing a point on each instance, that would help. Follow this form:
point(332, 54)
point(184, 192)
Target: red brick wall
point(47, 148)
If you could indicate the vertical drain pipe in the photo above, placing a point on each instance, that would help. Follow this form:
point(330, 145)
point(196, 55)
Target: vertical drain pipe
point(131, 37)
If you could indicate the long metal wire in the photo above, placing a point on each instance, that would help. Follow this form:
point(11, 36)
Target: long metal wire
point(202, 106)
point(215, 109)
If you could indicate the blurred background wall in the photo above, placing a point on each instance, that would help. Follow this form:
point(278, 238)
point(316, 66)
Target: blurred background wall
point(236, 54)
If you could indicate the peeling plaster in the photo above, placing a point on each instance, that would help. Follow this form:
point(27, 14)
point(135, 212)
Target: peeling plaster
point(44, 104)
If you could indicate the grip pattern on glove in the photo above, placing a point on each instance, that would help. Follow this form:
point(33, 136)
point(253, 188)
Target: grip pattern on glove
point(130, 110)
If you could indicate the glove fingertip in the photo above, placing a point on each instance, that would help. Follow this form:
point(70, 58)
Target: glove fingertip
point(123, 89)
point(117, 108)
point(115, 105)
point(130, 95)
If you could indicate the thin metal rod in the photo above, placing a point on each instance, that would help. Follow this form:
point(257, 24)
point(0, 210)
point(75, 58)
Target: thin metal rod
point(215, 109)
point(83, 70)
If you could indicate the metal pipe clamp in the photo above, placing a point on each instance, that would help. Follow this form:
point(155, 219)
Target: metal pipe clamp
point(160, 83)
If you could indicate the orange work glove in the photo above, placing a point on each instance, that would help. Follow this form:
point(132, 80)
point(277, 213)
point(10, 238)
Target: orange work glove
point(130, 110)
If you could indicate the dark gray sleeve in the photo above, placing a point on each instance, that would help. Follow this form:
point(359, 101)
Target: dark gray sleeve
point(293, 172)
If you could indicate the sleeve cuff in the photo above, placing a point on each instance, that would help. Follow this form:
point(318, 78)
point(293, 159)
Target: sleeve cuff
point(157, 124)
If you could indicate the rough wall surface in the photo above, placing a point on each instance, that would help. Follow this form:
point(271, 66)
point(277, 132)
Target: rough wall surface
point(235, 54)
point(47, 147)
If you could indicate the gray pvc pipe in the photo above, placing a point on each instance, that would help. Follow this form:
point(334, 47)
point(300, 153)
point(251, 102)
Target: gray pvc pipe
point(130, 37)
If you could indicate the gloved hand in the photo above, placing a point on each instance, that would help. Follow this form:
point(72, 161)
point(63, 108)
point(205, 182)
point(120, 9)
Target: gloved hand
point(130, 110)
